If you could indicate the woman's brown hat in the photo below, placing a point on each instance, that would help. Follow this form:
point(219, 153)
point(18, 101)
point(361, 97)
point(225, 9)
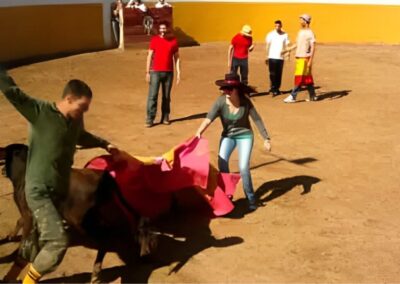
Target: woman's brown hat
point(233, 81)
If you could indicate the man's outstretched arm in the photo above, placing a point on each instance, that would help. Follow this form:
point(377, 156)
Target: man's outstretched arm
point(26, 105)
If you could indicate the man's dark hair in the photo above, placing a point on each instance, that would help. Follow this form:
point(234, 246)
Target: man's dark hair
point(278, 22)
point(77, 88)
point(165, 23)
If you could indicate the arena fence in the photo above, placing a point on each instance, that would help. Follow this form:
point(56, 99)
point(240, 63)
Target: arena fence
point(334, 21)
point(36, 29)
point(43, 28)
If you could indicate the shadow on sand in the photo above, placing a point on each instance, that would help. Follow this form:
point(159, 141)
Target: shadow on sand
point(184, 39)
point(333, 95)
point(299, 162)
point(260, 94)
point(189, 222)
point(190, 117)
point(272, 190)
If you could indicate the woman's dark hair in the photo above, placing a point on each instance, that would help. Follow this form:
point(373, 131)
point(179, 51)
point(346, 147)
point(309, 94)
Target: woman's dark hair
point(77, 88)
point(241, 91)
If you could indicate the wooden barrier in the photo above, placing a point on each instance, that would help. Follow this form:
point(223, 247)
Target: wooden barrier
point(139, 26)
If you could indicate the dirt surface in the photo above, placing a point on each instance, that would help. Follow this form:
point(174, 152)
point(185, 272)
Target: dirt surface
point(330, 186)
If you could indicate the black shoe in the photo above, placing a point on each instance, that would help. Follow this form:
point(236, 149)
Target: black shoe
point(253, 207)
point(312, 99)
point(149, 124)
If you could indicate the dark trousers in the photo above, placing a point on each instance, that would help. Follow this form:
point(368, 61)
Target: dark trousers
point(116, 31)
point(243, 64)
point(165, 79)
point(275, 73)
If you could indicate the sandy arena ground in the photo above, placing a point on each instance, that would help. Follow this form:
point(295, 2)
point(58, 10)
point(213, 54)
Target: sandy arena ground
point(343, 149)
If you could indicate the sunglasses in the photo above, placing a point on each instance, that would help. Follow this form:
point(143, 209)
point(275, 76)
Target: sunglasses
point(227, 89)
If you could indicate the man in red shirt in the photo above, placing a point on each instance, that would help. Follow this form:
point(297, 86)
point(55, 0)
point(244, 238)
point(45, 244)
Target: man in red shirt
point(238, 53)
point(163, 53)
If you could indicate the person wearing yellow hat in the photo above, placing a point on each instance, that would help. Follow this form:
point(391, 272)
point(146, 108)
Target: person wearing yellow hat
point(238, 53)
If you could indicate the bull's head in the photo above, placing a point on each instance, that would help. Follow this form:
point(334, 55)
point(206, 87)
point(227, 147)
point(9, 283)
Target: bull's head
point(13, 158)
point(147, 236)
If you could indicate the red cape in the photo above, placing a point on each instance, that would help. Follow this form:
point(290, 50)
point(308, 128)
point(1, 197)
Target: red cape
point(148, 188)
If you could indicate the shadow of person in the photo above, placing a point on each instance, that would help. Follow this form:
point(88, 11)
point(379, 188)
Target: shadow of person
point(300, 161)
point(276, 188)
point(272, 190)
point(189, 223)
point(281, 93)
point(190, 117)
point(333, 95)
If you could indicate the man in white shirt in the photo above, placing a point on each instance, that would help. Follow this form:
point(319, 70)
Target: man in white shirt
point(162, 4)
point(137, 4)
point(305, 49)
point(277, 41)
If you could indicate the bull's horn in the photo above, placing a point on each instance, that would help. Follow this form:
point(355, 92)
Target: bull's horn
point(172, 236)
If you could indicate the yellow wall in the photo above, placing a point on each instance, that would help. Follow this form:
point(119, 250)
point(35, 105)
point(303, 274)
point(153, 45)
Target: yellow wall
point(332, 23)
point(30, 31)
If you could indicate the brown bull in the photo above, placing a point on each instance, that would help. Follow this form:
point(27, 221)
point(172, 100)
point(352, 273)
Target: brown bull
point(93, 218)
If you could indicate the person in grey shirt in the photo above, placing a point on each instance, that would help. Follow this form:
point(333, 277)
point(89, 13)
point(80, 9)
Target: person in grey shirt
point(234, 109)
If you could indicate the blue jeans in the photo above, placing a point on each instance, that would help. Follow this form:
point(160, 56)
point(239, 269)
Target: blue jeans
point(245, 146)
point(165, 79)
point(310, 88)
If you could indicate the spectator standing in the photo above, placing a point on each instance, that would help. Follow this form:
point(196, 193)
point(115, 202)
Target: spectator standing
point(277, 40)
point(163, 54)
point(162, 4)
point(305, 50)
point(238, 53)
point(137, 4)
point(117, 22)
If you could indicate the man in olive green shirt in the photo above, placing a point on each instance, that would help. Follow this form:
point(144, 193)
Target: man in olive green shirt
point(55, 130)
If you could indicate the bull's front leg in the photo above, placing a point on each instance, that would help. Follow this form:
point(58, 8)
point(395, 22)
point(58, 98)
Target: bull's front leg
point(98, 266)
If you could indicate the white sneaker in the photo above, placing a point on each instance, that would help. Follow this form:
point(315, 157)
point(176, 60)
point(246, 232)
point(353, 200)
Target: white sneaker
point(289, 99)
